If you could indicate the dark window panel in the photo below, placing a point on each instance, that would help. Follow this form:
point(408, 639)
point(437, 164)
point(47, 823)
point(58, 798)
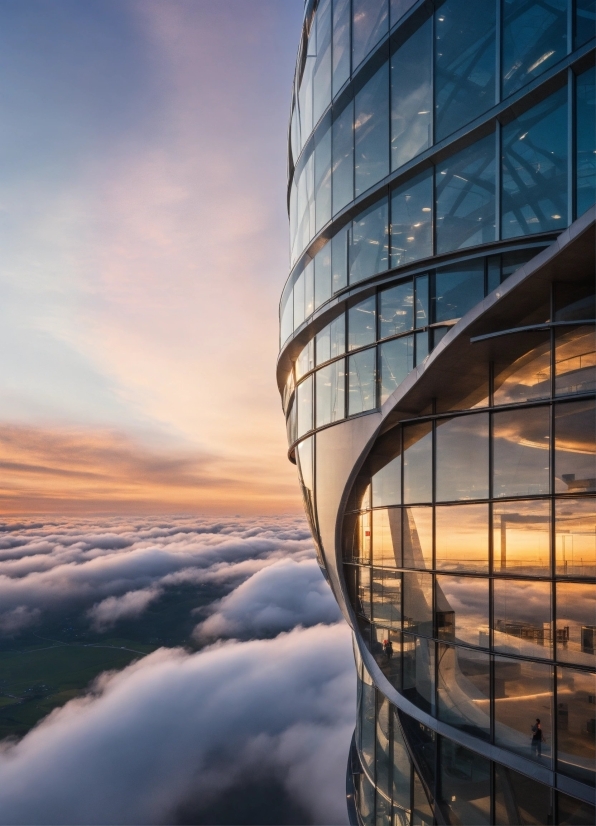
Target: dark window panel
point(396, 361)
point(586, 141)
point(573, 812)
point(418, 671)
point(422, 347)
point(458, 288)
point(464, 64)
point(521, 800)
point(464, 785)
point(386, 538)
point(534, 169)
point(418, 538)
point(418, 463)
point(421, 301)
point(363, 600)
point(463, 689)
point(465, 192)
point(341, 43)
point(411, 220)
point(522, 368)
point(386, 649)
point(418, 603)
point(575, 459)
point(361, 382)
point(370, 21)
point(576, 623)
point(521, 455)
point(362, 324)
point(575, 537)
point(386, 598)
point(461, 609)
point(371, 131)
point(366, 800)
point(521, 537)
point(396, 310)
point(462, 458)
point(461, 537)
point(383, 758)
point(369, 250)
point(411, 97)
point(367, 723)
point(386, 470)
point(585, 22)
point(398, 8)
point(330, 393)
point(523, 693)
point(575, 360)
point(574, 301)
point(343, 158)
point(402, 769)
point(522, 618)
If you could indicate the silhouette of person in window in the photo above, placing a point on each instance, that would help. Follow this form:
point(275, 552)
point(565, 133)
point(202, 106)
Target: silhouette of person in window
point(537, 738)
point(387, 649)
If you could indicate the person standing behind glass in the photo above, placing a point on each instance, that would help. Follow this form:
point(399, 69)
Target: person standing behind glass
point(537, 738)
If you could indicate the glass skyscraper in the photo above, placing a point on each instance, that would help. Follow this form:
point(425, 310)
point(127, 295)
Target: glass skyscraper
point(438, 373)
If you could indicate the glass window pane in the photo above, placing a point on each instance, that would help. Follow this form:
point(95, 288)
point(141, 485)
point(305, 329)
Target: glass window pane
point(576, 623)
point(418, 538)
point(419, 672)
point(362, 382)
point(411, 97)
point(522, 618)
point(534, 39)
point(401, 768)
point(343, 158)
point(322, 265)
point(519, 799)
point(463, 690)
point(461, 537)
point(576, 739)
point(331, 340)
point(398, 8)
point(575, 447)
point(575, 359)
point(521, 538)
point(464, 785)
point(299, 301)
point(466, 197)
point(461, 607)
point(371, 131)
point(585, 22)
point(362, 324)
point(520, 448)
point(534, 174)
point(330, 400)
point(386, 481)
point(322, 70)
point(339, 260)
point(386, 649)
point(386, 597)
point(386, 538)
point(304, 396)
point(421, 301)
point(367, 723)
point(418, 463)
point(287, 318)
point(396, 310)
point(323, 179)
point(383, 759)
point(574, 812)
point(464, 64)
point(370, 21)
point(523, 695)
point(291, 422)
point(366, 800)
point(422, 347)
point(309, 290)
point(369, 250)
point(305, 360)
point(363, 592)
point(522, 368)
point(411, 220)
point(458, 288)
point(462, 458)
point(575, 536)
point(341, 43)
point(586, 139)
point(418, 602)
point(396, 361)
point(357, 536)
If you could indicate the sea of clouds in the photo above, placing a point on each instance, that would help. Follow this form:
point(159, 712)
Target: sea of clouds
point(268, 700)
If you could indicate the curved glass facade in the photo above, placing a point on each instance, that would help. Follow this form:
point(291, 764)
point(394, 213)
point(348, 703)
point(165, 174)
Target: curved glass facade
point(438, 376)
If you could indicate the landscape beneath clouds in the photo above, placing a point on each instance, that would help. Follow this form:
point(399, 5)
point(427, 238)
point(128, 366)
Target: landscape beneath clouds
point(179, 670)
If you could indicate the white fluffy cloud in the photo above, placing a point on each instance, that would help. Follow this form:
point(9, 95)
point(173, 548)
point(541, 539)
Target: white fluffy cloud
point(105, 614)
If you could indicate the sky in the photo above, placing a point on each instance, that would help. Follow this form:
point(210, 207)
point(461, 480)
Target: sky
point(144, 239)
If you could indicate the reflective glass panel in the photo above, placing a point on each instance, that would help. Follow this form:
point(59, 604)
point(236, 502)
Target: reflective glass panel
point(575, 447)
point(574, 812)
point(386, 482)
point(574, 301)
point(322, 265)
point(418, 462)
point(521, 800)
point(576, 741)
point(575, 537)
point(463, 689)
point(522, 372)
point(524, 695)
point(331, 340)
point(291, 422)
point(461, 537)
point(367, 722)
point(323, 179)
point(341, 43)
point(465, 192)
point(534, 172)
point(357, 535)
point(418, 603)
point(576, 623)
point(343, 158)
point(419, 672)
point(422, 347)
point(339, 260)
point(411, 220)
point(383, 760)
point(299, 301)
point(361, 382)
point(411, 97)
point(287, 318)
point(462, 458)
point(575, 359)
point(309, 289)
point(585, 22)
point(369, 250)
point(330, 389)
point(364, 591)
point(458, 288)
point(386, 539)
point(534, 39)
point(521, 537)
point(398, 8)
point(585, 139)
point(386, 596)
point(418, 538)
point(322, 70)
point(422, 813)
point(386, 649)
point(401, 768)
point(522, 618)
point(396, 361)
point(305, 360)
point(464, 785)
point(371, 131)
point(421, 301)
point(304, 397)
point(370, 21)
point(461, 609)
point(464, 64)
point(520, 449)
point(362, 324)
point(396, 310)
